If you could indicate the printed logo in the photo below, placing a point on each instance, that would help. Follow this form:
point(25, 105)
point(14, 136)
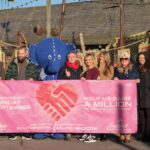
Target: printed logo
point(57, 100)
point(117, 126)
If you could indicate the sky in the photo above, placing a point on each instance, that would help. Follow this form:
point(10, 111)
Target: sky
point(4, 4)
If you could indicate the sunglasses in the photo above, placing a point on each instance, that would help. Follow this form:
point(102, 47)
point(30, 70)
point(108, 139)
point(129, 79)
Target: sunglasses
point(121, 59)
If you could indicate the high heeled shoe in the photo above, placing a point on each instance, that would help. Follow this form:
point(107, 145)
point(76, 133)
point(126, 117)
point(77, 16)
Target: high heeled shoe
point(122, 138)
point(128, 138)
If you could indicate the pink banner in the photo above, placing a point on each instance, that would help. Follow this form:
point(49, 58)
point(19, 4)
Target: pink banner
point(68, 106)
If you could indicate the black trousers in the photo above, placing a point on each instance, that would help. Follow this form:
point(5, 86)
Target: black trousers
point(144, 123)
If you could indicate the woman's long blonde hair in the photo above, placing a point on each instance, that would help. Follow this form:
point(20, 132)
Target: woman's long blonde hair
point(107, 66)
point(126, 69)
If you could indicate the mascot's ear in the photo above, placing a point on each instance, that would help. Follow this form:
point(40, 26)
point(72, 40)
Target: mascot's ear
point(71, 47)
point(31, 53)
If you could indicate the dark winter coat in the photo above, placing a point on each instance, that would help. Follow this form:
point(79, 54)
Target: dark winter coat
point(32, 71)
point(144, 89)
point(144, 85)
point(132, 74)
point(75, 74)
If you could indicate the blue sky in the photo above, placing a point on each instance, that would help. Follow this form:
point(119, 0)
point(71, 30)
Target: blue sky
point(4, 3)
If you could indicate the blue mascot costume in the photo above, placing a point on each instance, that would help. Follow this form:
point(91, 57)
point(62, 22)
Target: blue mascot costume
point(50, 54)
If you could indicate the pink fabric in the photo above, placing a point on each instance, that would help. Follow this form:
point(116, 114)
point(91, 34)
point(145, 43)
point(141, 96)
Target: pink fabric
point(68, 106)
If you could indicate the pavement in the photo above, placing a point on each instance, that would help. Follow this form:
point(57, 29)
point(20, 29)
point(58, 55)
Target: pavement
point(50, 144)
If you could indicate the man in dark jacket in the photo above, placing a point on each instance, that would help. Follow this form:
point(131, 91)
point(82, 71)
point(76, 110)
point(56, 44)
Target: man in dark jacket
point(21, 69)
point(70, 71)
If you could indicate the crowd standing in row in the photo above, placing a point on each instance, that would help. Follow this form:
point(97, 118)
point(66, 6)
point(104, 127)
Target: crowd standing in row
point(23, 69)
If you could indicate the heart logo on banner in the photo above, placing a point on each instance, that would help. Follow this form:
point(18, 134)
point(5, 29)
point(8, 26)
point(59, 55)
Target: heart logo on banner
point(57, 100)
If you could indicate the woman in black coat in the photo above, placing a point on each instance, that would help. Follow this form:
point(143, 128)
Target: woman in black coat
point(143, 66)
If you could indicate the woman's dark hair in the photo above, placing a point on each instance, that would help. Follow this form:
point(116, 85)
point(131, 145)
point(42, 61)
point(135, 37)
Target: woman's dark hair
point(143, 68)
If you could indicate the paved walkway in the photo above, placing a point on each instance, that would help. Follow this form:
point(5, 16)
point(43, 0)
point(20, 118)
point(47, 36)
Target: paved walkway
point(50, 144)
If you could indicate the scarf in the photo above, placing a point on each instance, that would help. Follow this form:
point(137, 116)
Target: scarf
point(74, 66)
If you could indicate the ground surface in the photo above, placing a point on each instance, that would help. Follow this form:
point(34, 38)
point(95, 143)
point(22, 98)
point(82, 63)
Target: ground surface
point(49, 144)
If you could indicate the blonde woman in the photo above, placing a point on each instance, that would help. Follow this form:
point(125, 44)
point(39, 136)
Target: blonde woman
point(106, 73)
point(105, 68)
point(125, 71)
point(92, 73)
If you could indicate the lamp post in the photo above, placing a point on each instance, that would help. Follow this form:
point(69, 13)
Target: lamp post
point(48, 25)
point(62, 18)
point(121, 22)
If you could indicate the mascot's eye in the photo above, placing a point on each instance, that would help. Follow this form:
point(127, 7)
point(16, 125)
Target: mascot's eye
point(59, 57)
point(50, 57)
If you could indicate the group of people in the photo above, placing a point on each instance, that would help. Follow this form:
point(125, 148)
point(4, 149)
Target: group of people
point(23, 69)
